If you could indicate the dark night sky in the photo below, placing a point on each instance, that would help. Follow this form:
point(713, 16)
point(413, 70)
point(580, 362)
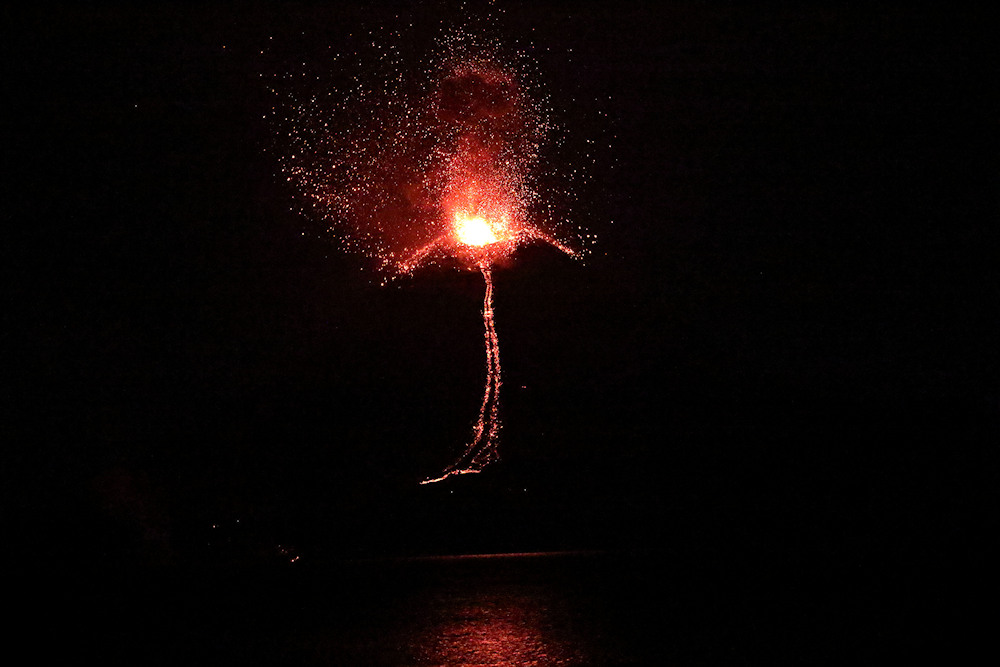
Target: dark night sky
point(785, 342)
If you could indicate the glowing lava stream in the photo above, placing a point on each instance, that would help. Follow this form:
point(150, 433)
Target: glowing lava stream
point(482, 241)
point(482, 450)
point(444, 169)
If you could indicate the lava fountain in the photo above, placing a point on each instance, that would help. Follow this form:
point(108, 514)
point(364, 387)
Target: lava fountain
point(442, 170)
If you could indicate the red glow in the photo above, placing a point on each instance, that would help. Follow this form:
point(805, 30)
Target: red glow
point(446, 171)
point(483, 199)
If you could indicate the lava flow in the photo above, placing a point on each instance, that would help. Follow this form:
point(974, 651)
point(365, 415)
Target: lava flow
point(482, 240)
point(485, 228)
point(443, 171)
point(482, 450)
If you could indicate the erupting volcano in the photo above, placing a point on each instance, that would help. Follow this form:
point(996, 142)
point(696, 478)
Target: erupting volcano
point(444, 170)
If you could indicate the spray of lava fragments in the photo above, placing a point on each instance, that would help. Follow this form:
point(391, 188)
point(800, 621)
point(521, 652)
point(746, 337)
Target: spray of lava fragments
point(445, 167)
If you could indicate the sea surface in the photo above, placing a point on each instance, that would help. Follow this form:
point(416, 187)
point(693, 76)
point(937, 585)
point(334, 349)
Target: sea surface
point(559, 608)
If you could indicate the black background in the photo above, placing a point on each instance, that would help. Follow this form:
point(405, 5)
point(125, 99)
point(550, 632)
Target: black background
point(781, 354)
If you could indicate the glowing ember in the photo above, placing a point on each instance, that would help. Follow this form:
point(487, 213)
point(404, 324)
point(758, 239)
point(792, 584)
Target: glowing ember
point(443, 169)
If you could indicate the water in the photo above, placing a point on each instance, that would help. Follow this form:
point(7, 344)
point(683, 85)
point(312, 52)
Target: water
point(527, 609)
point(544, 609)
point(502, 610)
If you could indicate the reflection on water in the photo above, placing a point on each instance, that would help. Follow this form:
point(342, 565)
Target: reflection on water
point(566, 610)
point(483, 611)
point(496, 627)
point(490, 641)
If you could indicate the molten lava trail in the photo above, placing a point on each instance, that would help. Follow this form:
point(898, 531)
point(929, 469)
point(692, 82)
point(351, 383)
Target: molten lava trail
point(482, 450)
point(446, 165)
